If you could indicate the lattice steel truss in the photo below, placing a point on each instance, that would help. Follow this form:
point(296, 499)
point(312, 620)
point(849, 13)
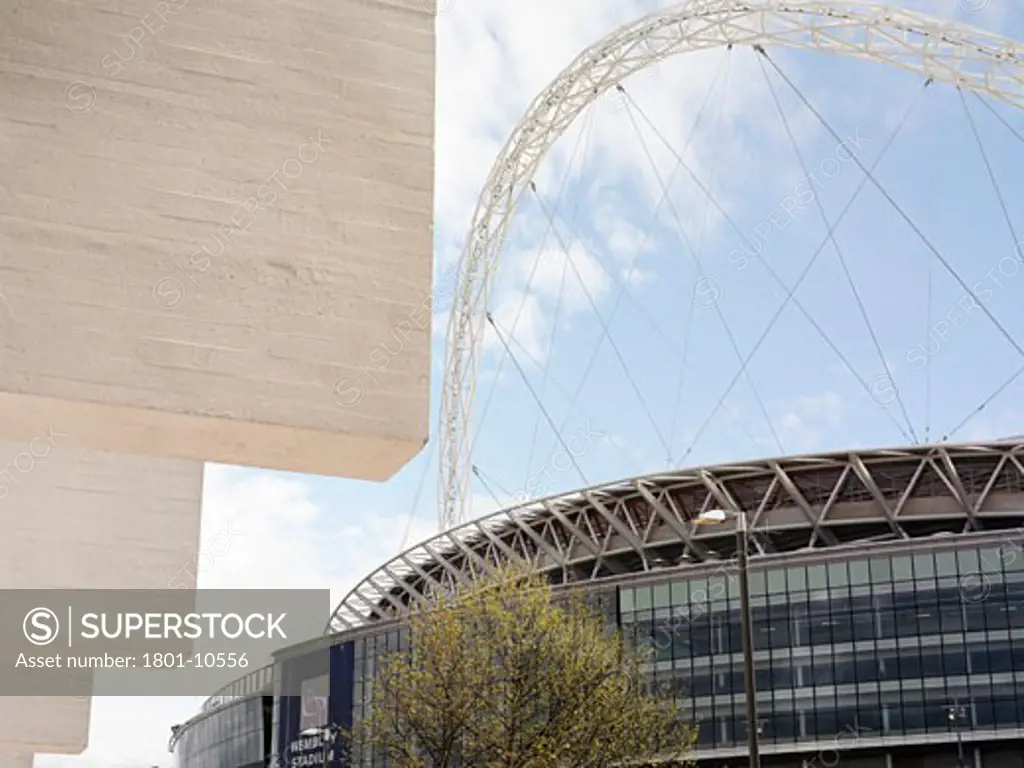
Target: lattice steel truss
point(645, 523)
point(936, 49)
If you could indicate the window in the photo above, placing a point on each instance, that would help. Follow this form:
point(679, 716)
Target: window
point(644, 599)
point(797, 578)
point(945, 564)
point(881, 570)
point(859, 572)
point(967, 561)
point(776, 582)
point(837, 575)
point(680, 593)
point(662, 596)
point(1013, 555)
point(817, 577)
point(924, 566)
point(902, 569)
point(626, 600)
point(717, 589)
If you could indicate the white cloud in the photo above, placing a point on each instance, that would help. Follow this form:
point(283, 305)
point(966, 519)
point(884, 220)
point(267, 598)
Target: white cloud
point(807, 419)
point(1009, 423)
point(579, 277)
point(522, 325)
point(620, 238)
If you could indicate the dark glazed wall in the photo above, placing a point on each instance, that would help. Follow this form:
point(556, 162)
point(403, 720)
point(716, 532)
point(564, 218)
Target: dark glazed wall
point(290, 708)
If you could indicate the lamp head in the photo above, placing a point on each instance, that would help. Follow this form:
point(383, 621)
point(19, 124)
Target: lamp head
point(711, 517)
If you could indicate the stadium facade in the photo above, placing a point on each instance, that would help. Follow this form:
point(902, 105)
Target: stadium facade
point(887, 598)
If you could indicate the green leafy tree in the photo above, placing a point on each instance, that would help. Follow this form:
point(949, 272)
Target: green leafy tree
point(504, 674)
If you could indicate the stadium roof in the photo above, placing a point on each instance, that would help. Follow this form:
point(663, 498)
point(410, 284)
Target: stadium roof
point(644, 523)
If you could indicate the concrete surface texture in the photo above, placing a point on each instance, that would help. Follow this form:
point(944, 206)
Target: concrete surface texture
point(80, 519)
point(75, 518)
point(42, 724)
point(16, 761)
point(216, 238)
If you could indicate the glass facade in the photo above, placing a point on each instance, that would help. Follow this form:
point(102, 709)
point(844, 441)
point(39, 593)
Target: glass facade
point(233, 736)
point(881, 646)
point(367, 651)
point(889, 645)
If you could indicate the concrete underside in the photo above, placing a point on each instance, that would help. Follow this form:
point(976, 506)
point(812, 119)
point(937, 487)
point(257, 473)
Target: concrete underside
point(216, 228)
point(88, 520)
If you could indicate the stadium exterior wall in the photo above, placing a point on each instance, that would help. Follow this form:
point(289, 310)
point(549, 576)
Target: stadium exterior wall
point(879, 653)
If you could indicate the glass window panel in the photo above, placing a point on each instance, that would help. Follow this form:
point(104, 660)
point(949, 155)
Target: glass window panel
point(945, 563)
point(881, 570)
point(699, 594)
point(643, 599)
point(776, 582)
point(954, 661)
point(859, 572)
point(993, 610)
point(950, 614)
point(967, 561)
point(782, 728)
point(758, 585)
point(1013, 556)
point(924, 566)
point(732, 584)
point(928, 616)
point(797, 578)
point(700, 638)
point(837, 575)
point(662, 596)
point(680, 593)
point(906, 622)
point(902, 569)
point(864, 625)
point(823, 721)
point(886, 622)
point(1006, 711)
point(992, 559)
point(716, 589)
point(816, 577)
point(931, 662)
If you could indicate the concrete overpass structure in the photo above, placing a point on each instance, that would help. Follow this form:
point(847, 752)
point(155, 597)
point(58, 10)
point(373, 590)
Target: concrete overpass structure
point(210, 216)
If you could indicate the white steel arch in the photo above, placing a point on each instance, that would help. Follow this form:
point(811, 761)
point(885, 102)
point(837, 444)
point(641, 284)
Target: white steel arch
point(936, 49)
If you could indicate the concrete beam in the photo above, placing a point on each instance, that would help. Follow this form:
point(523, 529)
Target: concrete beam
point(218, 229)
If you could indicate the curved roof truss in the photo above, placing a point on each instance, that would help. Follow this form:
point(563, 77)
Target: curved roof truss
point(645, 523)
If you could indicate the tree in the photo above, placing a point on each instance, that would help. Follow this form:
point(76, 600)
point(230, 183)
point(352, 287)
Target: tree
point(504, 674)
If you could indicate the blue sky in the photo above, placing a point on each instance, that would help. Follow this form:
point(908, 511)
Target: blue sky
point(298, 531)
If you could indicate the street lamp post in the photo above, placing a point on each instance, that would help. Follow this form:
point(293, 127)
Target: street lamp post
point(715, 517)
point(957, 714)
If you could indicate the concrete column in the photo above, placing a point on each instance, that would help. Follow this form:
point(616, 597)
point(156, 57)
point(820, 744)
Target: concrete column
point(81, 519)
